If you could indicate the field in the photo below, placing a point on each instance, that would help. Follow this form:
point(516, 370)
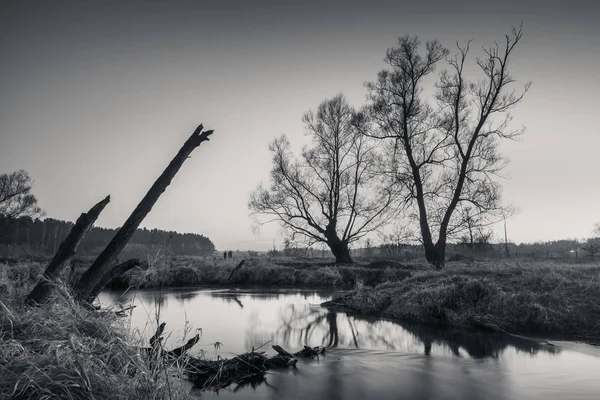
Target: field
point(98, 353)
point(535, 297)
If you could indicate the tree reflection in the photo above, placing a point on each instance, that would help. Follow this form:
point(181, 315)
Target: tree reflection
point(253, 382)
point(305, 325)
point(185, 297)
point(334, 336)
point(228, 297)
point(476, 344)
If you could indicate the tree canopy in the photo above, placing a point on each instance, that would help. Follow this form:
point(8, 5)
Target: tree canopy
point(332, 192)
point(445, 152)
point(16, 199)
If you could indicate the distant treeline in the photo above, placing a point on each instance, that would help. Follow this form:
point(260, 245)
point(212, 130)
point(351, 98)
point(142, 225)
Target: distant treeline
point(46, 235)
point(552, 249)
point(558, 249)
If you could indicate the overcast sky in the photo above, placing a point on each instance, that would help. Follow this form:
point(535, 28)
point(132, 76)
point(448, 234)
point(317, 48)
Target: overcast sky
point(96, 97)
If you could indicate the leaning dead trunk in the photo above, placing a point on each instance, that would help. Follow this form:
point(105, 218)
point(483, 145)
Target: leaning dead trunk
point(95, 275)
point(235, 269)
point(41, 293)
point(115, 272)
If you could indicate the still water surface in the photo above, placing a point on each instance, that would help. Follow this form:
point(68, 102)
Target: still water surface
point(366, 359)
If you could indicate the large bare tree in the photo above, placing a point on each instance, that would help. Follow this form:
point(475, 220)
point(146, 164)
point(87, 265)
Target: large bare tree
point(16, 199)
point(331, 194)
point(445, 152)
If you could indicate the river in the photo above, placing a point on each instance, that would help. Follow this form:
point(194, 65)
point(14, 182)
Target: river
point(366, 359)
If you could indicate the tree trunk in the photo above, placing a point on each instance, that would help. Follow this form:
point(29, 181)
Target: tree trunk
point(506, 251)
point(95, 274)
point(235, 269)
point(436, 254)
point(340, 250)
point(115, 272)
point(42, 291)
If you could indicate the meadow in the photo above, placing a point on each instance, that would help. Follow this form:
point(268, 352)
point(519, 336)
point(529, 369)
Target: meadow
point(69, 351)
point(545, 297)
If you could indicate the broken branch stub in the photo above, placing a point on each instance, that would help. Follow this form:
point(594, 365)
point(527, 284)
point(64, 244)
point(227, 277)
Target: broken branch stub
point(235, 269)
point(42, 292)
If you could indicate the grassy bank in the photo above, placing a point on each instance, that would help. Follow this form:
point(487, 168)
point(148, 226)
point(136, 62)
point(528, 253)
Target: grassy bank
point(262, 272)
point(529, 298)
point(63, 351)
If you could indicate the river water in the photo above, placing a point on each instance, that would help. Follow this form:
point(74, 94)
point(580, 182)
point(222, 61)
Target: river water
point(366, 359)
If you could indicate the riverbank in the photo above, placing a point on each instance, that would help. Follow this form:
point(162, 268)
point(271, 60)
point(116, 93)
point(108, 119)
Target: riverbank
point(264, 272)
point(64, 351)
point(551, 299)
point(200, 271)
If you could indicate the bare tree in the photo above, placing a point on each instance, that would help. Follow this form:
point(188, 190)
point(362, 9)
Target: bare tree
point(475, 236)
point(16, 199)
point(331, 194)
point(445, 154)
point(506, 250)
point(592, 245)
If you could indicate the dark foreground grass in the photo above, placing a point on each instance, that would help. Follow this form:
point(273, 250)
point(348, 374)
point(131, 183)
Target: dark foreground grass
point(555, 300)
point(63, 351)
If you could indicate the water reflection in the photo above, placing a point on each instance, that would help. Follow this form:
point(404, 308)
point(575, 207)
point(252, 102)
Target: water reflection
point(367, 358)
point(476, 344)
point(185, 297)
point(229, 297)
point(305, 324)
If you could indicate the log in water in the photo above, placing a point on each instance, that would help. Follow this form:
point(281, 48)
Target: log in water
point(364, 358)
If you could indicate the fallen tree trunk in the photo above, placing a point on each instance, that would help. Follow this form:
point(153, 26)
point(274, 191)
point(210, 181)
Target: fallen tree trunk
point(220, 373)
point(181, 350)
point(310, 352)
point(42, 292)
point(87, 287)
point(208, 374)
point(282, 352)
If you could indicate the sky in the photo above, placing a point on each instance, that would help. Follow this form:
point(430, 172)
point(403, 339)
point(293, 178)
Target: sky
point(96, 97)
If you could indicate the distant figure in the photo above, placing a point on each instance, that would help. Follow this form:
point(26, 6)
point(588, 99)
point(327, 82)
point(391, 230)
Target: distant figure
point(224, 255)
point(230, 254)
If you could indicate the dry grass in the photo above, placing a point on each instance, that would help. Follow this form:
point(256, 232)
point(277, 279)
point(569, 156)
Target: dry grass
point(535, 298)
point(195, 271)
point(63, 351)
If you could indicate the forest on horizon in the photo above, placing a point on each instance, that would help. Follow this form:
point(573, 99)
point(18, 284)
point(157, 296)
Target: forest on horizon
point(44, 236)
